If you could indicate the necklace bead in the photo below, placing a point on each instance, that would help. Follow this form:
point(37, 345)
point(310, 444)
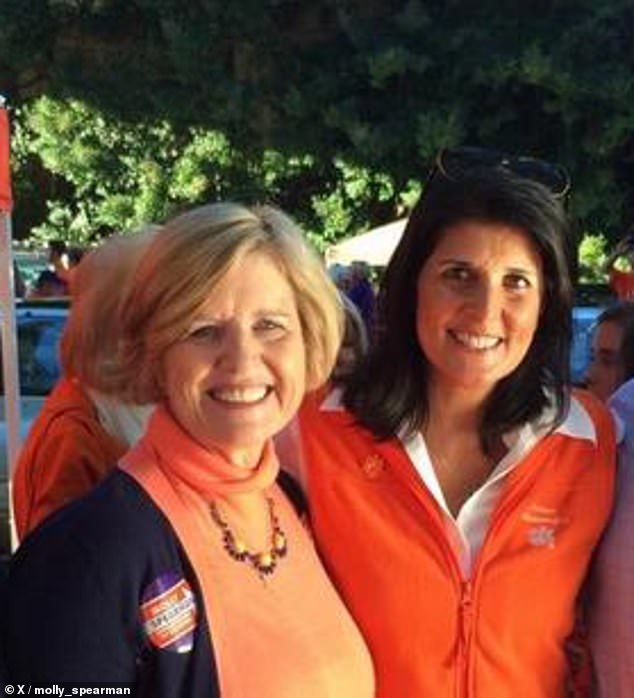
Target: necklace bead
point(264, 562)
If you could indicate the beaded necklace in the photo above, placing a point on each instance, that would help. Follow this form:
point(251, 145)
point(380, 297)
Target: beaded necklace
point(265, 562)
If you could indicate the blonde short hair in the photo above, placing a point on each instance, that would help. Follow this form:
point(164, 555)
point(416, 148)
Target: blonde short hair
point(188, 257)
point(91, 338)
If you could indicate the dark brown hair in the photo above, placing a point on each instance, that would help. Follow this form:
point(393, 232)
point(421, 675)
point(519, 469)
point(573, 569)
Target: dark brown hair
point(388, 391)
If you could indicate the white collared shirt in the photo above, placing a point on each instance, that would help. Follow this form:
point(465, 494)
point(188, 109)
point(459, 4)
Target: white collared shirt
point(466, 532)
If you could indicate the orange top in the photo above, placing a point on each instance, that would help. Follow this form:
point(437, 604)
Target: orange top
point(382, 537)
point(67, 452)
point(285, 636)
point(622, 283)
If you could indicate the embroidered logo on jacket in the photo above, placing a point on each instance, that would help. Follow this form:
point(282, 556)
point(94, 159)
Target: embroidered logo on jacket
point(169, 614)
point(373, 466)
point(543, 525)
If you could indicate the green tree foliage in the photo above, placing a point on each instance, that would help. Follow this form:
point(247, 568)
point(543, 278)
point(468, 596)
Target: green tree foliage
point(379, 86)
point(592, 257)
point(105, 175)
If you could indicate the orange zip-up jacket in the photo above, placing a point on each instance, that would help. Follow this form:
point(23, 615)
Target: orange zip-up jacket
point(433, 634)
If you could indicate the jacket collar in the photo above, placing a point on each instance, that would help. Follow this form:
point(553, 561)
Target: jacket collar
point(577, 423)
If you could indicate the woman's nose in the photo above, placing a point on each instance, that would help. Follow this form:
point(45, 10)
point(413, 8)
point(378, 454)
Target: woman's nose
point(484, 301)
point(238, 349)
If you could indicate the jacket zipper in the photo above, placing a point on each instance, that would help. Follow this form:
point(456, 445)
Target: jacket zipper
point(508, 503)
point(465, 619)
point(465, 588)
point(464, 594)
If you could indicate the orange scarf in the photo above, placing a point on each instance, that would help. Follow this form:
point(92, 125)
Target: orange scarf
point(182, 459)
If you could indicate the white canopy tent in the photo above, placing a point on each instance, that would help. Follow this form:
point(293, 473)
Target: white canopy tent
point(374, 247)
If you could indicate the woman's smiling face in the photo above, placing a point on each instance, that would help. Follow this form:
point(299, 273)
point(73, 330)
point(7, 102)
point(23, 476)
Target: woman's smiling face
point(238, 375)
point(478, 305)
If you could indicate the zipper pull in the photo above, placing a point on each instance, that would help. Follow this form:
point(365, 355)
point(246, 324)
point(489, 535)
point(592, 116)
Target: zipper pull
point(466, 610)
point(465, 613)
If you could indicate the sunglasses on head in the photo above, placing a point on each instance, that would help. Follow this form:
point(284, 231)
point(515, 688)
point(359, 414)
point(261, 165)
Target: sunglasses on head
point(455, 163)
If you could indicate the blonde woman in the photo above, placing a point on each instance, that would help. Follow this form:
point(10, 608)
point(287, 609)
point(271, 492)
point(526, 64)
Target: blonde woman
point(188, 571)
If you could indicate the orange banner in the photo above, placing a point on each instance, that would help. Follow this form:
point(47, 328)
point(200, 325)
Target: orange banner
point(6, 202)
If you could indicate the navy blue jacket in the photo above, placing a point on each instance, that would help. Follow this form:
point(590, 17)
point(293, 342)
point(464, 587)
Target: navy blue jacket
point(73, 596)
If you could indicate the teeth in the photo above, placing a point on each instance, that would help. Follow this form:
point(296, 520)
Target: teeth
point(240, 395)
point(477, 341)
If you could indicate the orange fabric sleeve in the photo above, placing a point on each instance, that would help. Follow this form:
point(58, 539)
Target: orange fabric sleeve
point(63, 458)
point(69, 466)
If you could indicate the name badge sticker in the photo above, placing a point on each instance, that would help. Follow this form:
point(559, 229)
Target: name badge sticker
point(169, 613)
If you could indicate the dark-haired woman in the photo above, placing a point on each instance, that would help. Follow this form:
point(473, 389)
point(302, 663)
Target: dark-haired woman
point(457, 487)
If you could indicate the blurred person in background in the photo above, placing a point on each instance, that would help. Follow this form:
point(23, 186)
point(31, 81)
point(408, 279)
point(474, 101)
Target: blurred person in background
point(75, 255)
point(359, 289)
point(339, 274)
point(611, 592)
point(80, 433)
point(457, 488)
point(354, 345)
point(48, 285)
point(188, 572)
point(612, 358)
point(19, 285)
point(619, 266)
point(58, 257)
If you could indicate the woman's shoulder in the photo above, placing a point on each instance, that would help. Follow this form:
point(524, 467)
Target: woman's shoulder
point(325, 404)
point(67, 395)
point(68, 415)
point(584, 402)
point(81, 584)
point(115, 524)
point(589, 420)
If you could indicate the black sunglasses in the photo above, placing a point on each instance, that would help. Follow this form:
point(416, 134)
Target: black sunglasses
point(455, 163)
